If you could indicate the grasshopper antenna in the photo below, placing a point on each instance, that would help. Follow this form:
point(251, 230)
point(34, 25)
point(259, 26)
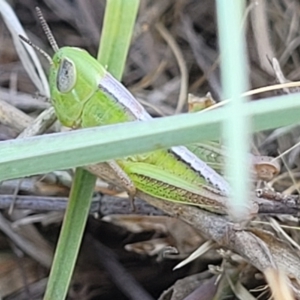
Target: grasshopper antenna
point(27, 41)
point(47, 30)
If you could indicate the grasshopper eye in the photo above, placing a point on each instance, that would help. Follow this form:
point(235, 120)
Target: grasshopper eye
point(66, 76)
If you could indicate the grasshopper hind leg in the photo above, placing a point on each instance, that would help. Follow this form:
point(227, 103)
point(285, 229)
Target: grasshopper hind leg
point(125, 180)
point(112, 173)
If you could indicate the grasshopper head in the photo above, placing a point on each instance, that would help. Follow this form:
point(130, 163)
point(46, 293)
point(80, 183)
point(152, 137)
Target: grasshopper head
point(73, 77)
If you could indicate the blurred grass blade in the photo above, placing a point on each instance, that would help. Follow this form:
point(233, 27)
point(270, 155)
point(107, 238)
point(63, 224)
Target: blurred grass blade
point(234, 82)
point(116, 13)
point(70, 235)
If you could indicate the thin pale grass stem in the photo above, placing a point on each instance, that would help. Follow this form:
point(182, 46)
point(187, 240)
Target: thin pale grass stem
point(257, 91)
point(181, 64)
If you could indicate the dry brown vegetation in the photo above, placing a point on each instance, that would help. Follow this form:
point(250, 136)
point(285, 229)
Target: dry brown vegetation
point(174, 52)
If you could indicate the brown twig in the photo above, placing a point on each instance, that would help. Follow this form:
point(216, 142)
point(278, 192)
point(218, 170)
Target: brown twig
point(105, 205)
point(269, 202)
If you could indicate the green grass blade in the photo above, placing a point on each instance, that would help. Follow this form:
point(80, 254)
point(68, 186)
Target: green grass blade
point(118, 25)
point(116, 13)
point(51, 152)
point(70, 235)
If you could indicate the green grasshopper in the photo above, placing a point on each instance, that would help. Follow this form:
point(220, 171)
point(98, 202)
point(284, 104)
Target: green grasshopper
point(84, 95)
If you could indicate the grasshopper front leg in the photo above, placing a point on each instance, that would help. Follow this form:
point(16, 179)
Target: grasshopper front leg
point(112, 173)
